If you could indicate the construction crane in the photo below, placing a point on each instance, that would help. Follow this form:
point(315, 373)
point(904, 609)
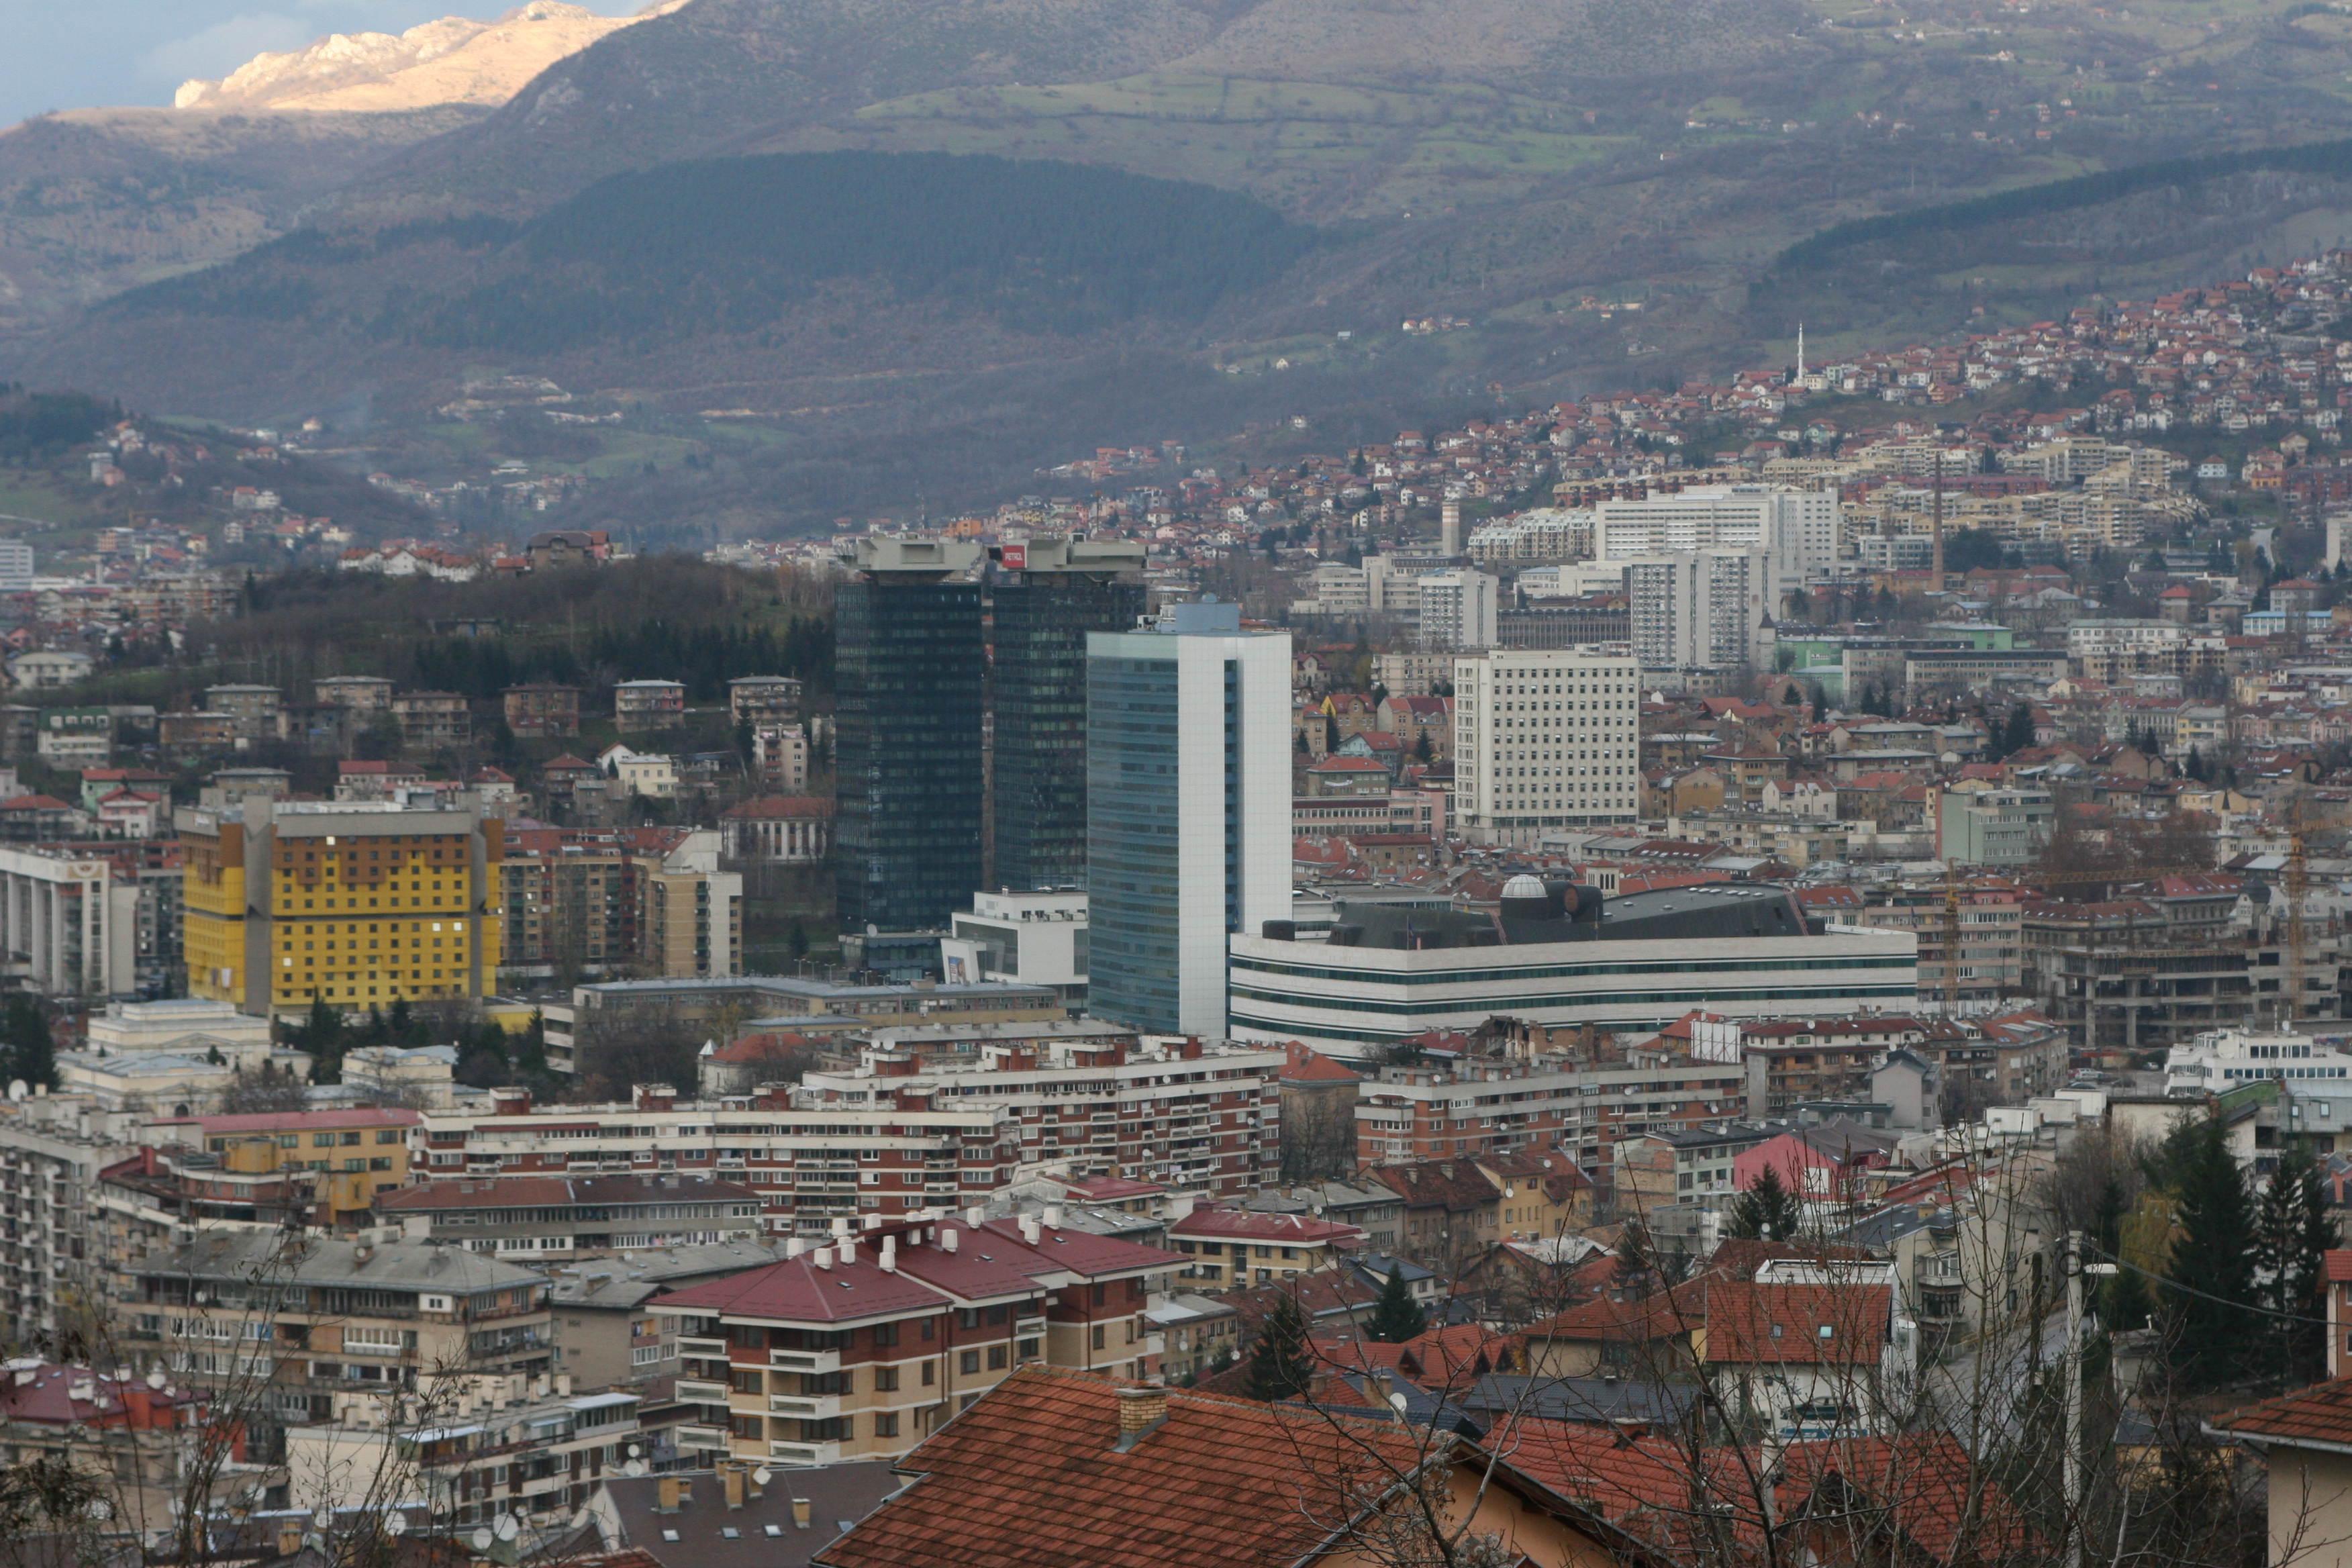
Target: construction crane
point(2298, 882)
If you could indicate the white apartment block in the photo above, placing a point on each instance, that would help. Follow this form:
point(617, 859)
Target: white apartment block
point(1458, 609)
point(74, 932)
point(1701, 608)
point(1544, 738)
point(1198, 1118)
point(1799, 528)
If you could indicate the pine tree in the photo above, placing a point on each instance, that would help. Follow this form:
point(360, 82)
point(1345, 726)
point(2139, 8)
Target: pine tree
point(1767, 1211)
point(24, 1035)
point(1396, 1318)
point(2292, 1232)
point(2208, 1319)
point(1283, 1362)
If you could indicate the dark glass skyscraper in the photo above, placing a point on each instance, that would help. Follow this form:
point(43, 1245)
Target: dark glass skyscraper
point(1065, 590)
point(909, 685)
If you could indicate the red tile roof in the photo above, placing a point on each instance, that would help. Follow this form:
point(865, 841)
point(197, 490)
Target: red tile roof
point(798, 1291)
point(1751, 1323)
point(2321, 1413)
point(1032, 1476)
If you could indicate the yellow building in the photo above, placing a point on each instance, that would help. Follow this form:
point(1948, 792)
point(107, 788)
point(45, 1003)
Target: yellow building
point(358, 902)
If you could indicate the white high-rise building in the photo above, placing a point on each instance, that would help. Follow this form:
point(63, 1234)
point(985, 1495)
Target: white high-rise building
point(1458, 609)
point(1801, 528)
point(1701, 608)
point(1188, 811)
point(15, 566)
point(1545, 738)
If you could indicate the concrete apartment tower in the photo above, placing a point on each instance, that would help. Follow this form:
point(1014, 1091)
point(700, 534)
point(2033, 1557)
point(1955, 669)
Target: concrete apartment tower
point(1188, 810)
point(1449, 528)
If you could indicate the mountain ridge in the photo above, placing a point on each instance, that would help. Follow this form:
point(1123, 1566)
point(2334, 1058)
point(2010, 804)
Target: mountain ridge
point(454, 59)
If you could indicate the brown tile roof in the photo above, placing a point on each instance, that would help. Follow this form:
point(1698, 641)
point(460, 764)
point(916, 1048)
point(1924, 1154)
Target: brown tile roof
point(1751, 1323)
point(1032, 1476)
point(1451, 1185)
point(2321, 1413)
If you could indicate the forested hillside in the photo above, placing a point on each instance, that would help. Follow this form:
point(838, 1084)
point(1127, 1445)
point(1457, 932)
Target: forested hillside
point(664, 617)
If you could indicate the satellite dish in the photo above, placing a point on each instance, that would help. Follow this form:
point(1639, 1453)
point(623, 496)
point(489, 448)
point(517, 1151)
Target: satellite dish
point(101, 1509)
point(155, 1378)
point(19, 1088)
point(325, 1518)
point(507, 1527)
point(637, 1450)
point(396, 1523)
point(634, 1468)
point(762, 1475)
point(481, 1540)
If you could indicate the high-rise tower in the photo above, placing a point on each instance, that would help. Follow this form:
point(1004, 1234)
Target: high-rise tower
point(1188, 810)
point(908, 687)
point(1054, 591)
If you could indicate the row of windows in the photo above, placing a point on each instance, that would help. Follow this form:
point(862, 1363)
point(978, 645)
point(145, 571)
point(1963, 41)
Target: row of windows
point(1368, 976)
point(1578, 999)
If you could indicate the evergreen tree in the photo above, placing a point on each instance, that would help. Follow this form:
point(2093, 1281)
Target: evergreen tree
point(2292, 1232)
point(1284, 1361)
point(1396, 1316)
point(24, 1035)
point(530, 1051)
point(2209, 1327)
point(1767, 1211)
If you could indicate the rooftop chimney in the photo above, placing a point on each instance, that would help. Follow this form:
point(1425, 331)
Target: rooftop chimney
point(974, 1216)
point(666, 1494)
point(290, 1537)
point(847, 1250)
point(889, 1258)
point(1141, 1409)
point(1054, 1215)
point(794, 1246)
point(822, 1257)
point(655, 1097)
point(511, 1101)
point(946, 1238)
point(1030, 1232)
point(800, 1513)
point(730, 1481)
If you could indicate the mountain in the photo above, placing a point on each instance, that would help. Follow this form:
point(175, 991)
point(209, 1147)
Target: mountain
point(453, 60)
point(1512, 199)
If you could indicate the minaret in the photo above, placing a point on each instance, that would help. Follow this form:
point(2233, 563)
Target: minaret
point(1800, 354)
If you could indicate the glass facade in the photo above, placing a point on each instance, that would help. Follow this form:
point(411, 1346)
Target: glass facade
point(1039, 635)
point(1134, 839)
point(908, 682)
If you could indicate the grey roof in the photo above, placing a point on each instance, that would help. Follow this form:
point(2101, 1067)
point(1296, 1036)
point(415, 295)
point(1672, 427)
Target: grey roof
point(262, 1258)
point(623, 1282)
point(1589, 1399)
point(763, 1534)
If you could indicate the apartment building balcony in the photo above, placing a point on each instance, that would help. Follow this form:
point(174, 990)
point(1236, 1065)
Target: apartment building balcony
point(701, 1391)
point(805, 1361)
point(716, 1350)
point(807, 1407)
point(805, 1453)
point(694, 1435)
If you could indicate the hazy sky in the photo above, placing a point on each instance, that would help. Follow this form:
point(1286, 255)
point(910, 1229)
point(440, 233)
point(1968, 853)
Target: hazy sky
point(74, 54)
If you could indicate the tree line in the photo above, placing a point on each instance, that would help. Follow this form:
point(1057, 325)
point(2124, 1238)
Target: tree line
point(2065, 195)
point(729, 244)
